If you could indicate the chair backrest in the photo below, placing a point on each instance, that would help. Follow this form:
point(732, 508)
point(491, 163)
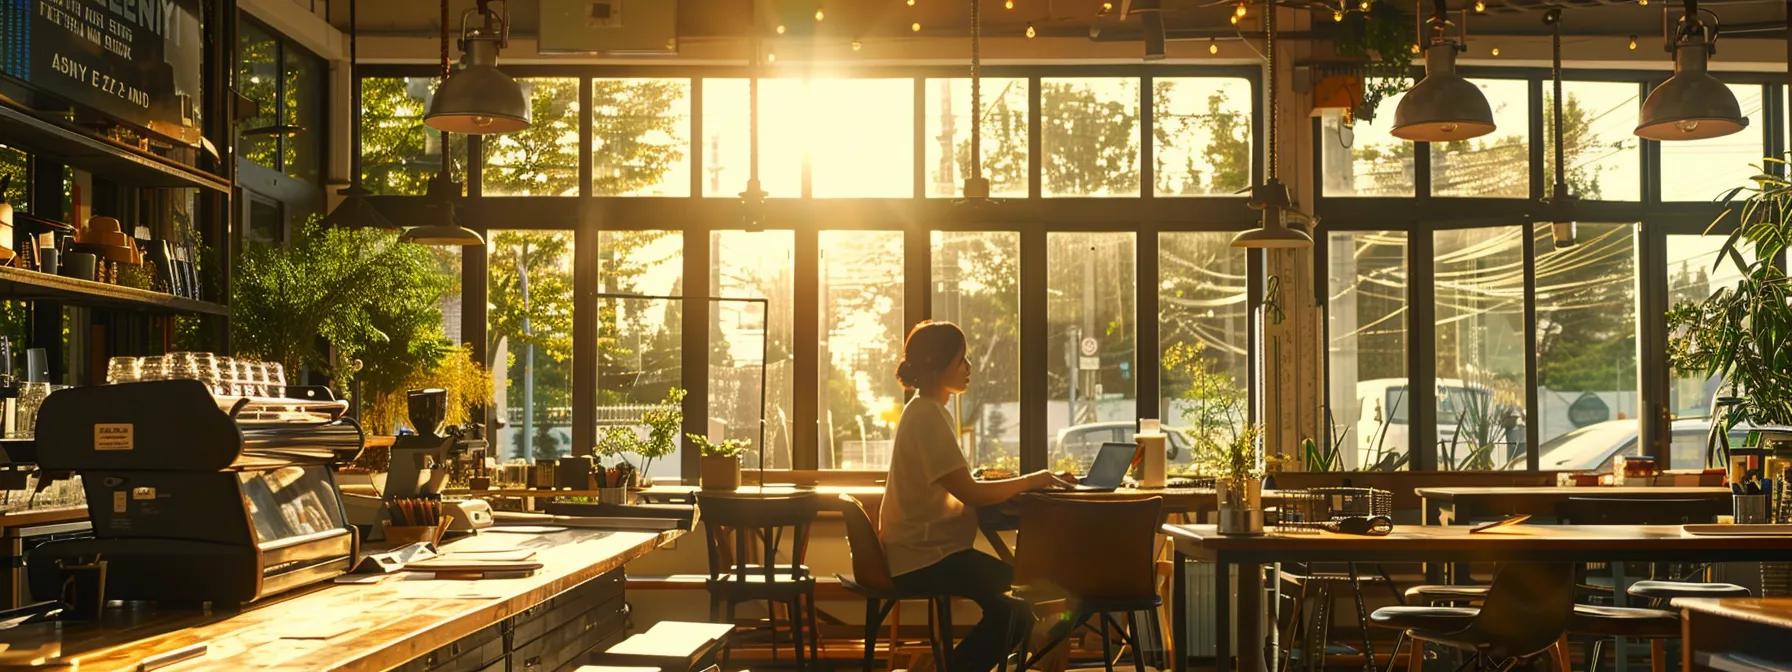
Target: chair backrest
point(1629, 511)
point(1526, 609)
point(870, 566)
point(1086, 548)
point(732, 521)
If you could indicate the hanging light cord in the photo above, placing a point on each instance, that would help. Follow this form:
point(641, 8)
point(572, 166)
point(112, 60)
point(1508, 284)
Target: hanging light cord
point(1555, 69)
point(753, 108)
point(976, 91)
point(354, 79)
point(1269, 45)
point(445, 73)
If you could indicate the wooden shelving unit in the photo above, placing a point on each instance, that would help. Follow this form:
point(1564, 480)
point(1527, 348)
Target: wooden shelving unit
point(98, 155)
point(20, 284)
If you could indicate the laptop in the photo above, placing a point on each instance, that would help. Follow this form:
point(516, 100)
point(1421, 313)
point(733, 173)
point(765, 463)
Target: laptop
point(1108, 472)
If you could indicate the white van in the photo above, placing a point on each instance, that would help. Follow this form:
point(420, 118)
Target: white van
point(1386, 402)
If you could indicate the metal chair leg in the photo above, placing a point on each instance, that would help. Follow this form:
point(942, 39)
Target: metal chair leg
point(796, 631)
point(872, 623)
point(1107, 644)
point(814, 630)
point(1362, 619)
point(1138, 652)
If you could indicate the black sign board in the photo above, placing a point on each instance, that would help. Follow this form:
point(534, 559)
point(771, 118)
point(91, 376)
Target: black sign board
point(137, 61)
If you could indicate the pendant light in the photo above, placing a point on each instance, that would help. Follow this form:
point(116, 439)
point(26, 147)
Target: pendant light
point(355, 210)
point(478, 98)
point(1691, 105)
point(976, 186)
point(445, 228)
point(752, 201)
point(1559, 206)
point(1443, 106)
point(1271, 197)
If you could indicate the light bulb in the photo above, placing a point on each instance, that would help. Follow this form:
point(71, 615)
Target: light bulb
point(780, 29)
point(481, 120)
point(819, 15)
point(1030, 32)
point(857, 45)
point(1107, 7)
point(1644, 3)
point(1007, 4)
point(1364, 5)
point(915, 27)
point(1687, 125)
point(911, 3)
point(1241, 11)
point(1495, 51)
point(1415, 47)
point(1213, 48)
point(1234, 19)
point(1337, 15)
point(771, 57)
point(1633, 43)
point(1448, 128)
point(1480, 6)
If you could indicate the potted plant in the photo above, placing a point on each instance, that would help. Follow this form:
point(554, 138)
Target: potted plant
point(1223, 438)
point(662, 422)
point(1741, 333)
point(719, 466)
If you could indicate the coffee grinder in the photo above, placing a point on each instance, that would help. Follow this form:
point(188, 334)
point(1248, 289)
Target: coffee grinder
point(421, 464)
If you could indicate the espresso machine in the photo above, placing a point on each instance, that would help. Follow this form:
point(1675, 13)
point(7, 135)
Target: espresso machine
point(196, 497)
point(422, 463)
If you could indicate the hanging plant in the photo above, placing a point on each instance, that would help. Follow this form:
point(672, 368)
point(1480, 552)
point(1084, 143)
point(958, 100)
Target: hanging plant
point(1383, 38)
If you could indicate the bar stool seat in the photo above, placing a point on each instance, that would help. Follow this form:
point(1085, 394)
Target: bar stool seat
point(1635, 622)
point(1430, 593)
point(1423, 618)
point(1667, 590)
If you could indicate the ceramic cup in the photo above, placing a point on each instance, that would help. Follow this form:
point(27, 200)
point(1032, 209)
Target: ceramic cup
point(79, 265)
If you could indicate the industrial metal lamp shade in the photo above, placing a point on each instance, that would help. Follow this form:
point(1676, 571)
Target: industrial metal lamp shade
point(478, 99)
point(1273, 234)
point(446, 235)
point(1691, 105)
point(1443, 106)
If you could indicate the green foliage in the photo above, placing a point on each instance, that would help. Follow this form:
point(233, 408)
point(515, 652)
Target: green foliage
point(663, 422)
point(1225, 441)
point(1004, 127)
point(399, 155)
point(16, 164)
point(1096, 146)
point(1743, 334)
point(358, 292)
point(1383, 37)
point(386, 406)
point(636, 129)
point(728, 448)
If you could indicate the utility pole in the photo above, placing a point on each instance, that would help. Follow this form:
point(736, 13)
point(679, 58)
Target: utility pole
point(522, 274)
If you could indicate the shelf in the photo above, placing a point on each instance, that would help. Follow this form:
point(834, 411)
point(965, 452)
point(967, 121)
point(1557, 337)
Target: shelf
point(16, 283)
point(102, 157)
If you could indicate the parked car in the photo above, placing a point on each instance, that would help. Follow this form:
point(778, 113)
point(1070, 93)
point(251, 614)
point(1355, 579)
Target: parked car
point(1591, 448)
point(1382, 434)
point(1082, 441)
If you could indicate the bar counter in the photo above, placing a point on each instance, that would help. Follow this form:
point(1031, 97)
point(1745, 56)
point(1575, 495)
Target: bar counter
point(571, 605)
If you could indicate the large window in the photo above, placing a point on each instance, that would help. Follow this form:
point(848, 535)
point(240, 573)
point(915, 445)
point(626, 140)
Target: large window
point(1704, 169)
point(1004, 123)
point(1479, 347)
point(16, 164)
point(543, 159)
point(1694, 272)
point(727, 136)
point(746, 346)
point(1201, 135)
point(639, 331)
point(1203, 329)
point(286, 85)
point(861, 343)
point(1366, 321)
point(976, 284)
point(1586, 336)
point(1090, 334)
point(1090, 136)
point(529, 341)
point(1484, 166)
point(399, 155)
point(1361, 156)
point(860, 135)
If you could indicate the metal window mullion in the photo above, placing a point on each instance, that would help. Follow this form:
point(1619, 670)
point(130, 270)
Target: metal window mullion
point(1651, 344)
point(1421, 351)
point(1147, 150)
point(1035, 162)
point(806, 347)
point(1148, 355)
point(1033, 343)
point(585, 279)
point(1532, 403)
point(694, 337)
point(920, 138)
point(587, 126)
point(696, 139)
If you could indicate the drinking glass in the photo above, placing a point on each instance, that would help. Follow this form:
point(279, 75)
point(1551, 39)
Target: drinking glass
point(228, 385)
point(277, 377)
point(123, 370)
point(31, 397)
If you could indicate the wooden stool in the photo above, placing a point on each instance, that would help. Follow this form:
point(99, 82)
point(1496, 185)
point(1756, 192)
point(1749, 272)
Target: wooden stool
point(668, 646)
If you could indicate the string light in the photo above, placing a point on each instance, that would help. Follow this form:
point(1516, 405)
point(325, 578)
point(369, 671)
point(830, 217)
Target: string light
point(1030, 32)
point(911, 3)
point(915, 27)
point(780, 29)
point(1415, 47)
point(857, 45)
point(819, 15)
point(1007, 4)
point(1633, 43)
point(1480, 6)
point(1234, 19)
point(1213, 47)
point(1242, 10)
point(1337, 15)
point(1364, 5)
point(1495, 51)
point(771, 57)
point(1644, 3)
point(1107, 7)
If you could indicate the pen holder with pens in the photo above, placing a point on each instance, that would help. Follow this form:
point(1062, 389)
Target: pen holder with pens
point(1750, 509)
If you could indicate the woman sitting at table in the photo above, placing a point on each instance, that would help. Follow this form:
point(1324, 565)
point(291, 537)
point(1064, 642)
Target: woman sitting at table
point(928, 517)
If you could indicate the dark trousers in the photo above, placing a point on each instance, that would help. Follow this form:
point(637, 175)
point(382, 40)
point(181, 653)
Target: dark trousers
point(981, 579)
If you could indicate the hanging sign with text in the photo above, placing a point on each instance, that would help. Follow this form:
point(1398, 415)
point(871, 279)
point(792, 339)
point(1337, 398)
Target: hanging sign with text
point(137, 61)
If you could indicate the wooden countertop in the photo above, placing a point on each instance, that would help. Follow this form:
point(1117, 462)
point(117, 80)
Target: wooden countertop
point(1175, 499)
point(1664, 492)
point(1770, 611)
point(1541, 543)
point(382, 625)
point(43, 516)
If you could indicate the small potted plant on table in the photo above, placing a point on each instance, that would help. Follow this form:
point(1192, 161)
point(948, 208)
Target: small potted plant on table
point(719, 466)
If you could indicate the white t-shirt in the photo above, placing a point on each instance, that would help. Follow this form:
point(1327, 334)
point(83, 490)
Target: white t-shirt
point(921, 522)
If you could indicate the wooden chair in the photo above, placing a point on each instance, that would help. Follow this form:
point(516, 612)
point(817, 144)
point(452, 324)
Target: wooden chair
point(871, 580)
point(1055, 562)
point(741, 528)
point(1525, 615)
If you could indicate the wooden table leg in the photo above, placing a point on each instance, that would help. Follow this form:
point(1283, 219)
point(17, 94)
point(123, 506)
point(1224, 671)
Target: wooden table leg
point(1250, 618)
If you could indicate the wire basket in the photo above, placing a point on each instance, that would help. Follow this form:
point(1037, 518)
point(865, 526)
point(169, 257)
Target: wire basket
point(1314, 509)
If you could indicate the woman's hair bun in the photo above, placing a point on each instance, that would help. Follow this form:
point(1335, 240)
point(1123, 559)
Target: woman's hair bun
point(930, 348)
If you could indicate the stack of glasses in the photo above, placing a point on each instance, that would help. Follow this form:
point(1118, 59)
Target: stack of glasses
point(224, 376)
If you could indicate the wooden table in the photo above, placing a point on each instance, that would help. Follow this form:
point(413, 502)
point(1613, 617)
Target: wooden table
point(1735, 633)
point(382, 625)
point(1518, 543)
point(1449, 506)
